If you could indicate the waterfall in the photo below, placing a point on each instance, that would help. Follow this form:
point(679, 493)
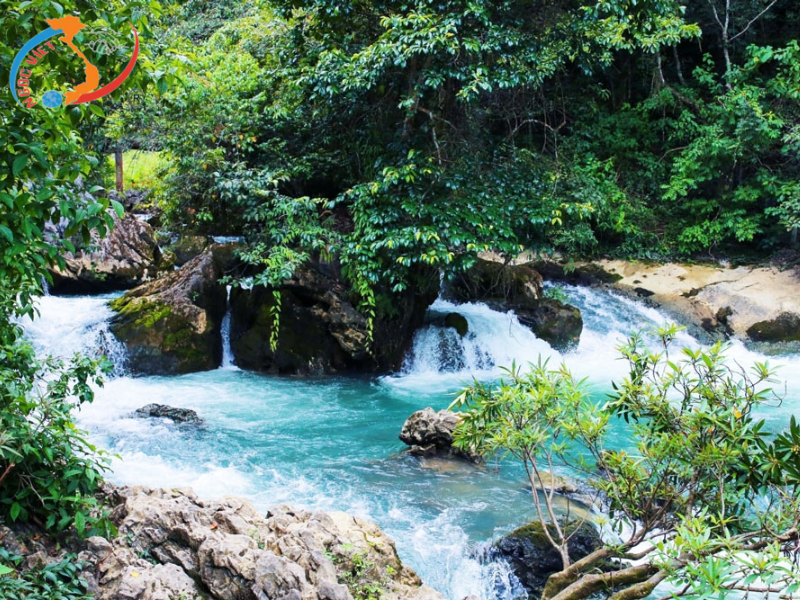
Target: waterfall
point(494, 339)
point(225, 331)
point(68, 325)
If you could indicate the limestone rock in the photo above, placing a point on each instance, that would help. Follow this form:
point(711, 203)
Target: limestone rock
point(172, 325)
point(224, 549)
point(128, 256)
point(716, 301)
point(430, 433)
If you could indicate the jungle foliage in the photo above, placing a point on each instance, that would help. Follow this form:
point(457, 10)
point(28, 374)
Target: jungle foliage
point(419, 133)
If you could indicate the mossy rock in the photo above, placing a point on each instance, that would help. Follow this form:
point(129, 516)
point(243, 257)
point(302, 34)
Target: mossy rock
point(172, 325)
point(457, 322)
point(532, 556)
point(189, 246)
point(784, 328)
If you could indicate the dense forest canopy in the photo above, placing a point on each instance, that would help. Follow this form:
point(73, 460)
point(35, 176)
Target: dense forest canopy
point(393, 134)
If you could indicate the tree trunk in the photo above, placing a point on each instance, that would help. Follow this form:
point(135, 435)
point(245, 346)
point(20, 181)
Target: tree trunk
point(118, 167)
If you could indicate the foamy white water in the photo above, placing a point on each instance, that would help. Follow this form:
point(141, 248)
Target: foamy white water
point(332, 443)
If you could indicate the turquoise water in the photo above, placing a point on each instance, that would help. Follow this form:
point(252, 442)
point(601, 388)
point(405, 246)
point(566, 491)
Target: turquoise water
point(332, 443)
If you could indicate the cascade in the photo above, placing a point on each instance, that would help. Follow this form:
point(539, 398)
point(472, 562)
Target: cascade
point(225, 331)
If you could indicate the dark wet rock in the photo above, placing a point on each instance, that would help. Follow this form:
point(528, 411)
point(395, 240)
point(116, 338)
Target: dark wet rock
point(490, 281)
point(518, 287)
point(179, 415)
point(172, 325)
point(783, 328)
point(128, 256)
point(320, 328)
point(532, 557)
point(430, 434)
point(457, 322)
point(589, 274)
point(558, 324)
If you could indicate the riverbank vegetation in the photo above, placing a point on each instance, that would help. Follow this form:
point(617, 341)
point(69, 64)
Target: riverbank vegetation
point(699, 494)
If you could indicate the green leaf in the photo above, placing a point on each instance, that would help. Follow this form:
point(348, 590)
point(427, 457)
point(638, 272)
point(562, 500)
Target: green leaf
point(19, 164)
point(6, 233)
point(4, 570)
point(96, 109)
point(80, 522)
point(118, 208)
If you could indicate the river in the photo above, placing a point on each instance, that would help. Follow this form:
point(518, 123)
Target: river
point(331, 442)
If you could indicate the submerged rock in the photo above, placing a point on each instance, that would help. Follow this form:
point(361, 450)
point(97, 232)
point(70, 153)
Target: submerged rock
point(532, 557)
point(128, 256)
point(320, 329)
point(177, 544)
point(430, 433)
point(179, 415)
point(172, 325)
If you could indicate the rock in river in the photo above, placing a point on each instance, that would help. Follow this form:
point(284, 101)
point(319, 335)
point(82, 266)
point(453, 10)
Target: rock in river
point(172, 325)
point(534, 559)
point(430, 433)
point(518, 287)
point(173, 545)
point(179, 415)
point(320, 327)
point(128, 256)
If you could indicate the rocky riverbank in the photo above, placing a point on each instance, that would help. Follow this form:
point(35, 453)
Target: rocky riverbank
point(171, 544)
point(757, 304)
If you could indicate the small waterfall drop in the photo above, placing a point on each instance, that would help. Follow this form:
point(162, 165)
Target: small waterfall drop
point(68, 325)
point(225, 331)
point(494, 339)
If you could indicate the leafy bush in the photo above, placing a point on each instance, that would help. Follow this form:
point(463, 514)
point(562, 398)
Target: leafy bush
point(49, 472)
point(60, 580)
point(708, 497)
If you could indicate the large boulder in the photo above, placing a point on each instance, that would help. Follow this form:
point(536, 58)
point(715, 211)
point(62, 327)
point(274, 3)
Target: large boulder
point(186, 247)
point(492, 282)
point(533, 558)
point(430, 433)
point(128, 256)
point(172, 325)
point(320, 329)
point(553, 321)
point(178, 544)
